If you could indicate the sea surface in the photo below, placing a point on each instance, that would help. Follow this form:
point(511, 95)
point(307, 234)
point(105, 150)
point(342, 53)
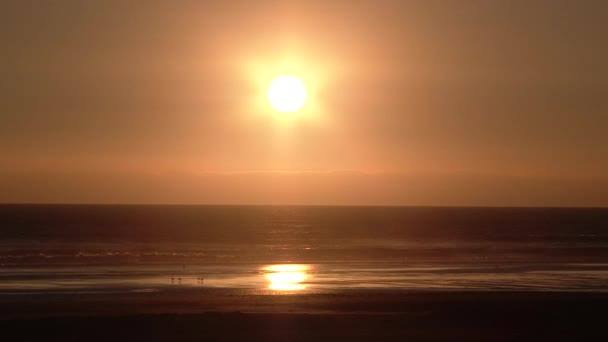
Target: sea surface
point(300, 249)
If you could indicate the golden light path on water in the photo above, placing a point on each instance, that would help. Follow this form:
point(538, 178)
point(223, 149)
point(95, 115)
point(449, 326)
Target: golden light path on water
point(286, 277)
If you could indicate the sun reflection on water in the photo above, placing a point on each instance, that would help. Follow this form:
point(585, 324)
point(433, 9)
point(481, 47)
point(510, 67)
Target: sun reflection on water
point(286, 277)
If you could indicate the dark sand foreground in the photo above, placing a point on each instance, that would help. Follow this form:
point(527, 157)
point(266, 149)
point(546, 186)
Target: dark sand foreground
point(348, 316)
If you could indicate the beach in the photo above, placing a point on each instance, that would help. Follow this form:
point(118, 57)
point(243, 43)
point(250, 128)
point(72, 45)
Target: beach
point(190, 273)
point(348, 316)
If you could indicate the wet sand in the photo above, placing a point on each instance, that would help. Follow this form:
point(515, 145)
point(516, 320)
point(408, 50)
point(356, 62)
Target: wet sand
point(348, 316)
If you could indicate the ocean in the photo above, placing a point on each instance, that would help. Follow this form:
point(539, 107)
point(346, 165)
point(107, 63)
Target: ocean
point(300, 249)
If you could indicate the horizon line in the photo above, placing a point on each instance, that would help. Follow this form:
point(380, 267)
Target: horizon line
point(302, 205)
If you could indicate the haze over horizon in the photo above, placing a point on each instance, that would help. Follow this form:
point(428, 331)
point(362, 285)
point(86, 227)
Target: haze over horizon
point(412, 103)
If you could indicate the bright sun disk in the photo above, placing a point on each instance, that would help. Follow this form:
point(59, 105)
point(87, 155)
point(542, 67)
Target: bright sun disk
point(287, 93)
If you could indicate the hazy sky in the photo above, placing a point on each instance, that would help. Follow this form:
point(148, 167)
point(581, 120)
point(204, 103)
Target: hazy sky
point(412, 102)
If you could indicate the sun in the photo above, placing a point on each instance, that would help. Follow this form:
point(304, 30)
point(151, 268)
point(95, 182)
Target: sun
point(287, 93)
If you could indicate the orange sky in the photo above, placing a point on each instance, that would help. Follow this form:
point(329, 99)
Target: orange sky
point(422, 102)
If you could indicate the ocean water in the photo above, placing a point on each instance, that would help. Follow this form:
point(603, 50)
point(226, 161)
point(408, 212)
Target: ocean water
point(288, 249)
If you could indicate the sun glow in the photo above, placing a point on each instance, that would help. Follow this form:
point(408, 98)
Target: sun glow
point(286, 277)
point(291, 88)
point(287, 94)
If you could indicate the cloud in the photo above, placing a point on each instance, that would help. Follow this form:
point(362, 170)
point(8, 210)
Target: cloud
point(307, 188)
